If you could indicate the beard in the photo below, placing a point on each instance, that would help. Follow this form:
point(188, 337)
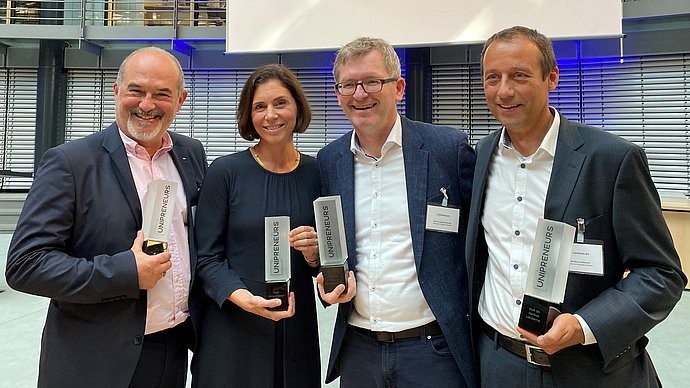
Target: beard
point(134, 121)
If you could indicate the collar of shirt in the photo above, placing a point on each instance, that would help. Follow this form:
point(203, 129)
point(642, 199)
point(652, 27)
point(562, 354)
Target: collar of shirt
point(394, 138)
point(384, 253)
point(167, 302)
point(515, 196)
point(548, 143)
point(134, 148)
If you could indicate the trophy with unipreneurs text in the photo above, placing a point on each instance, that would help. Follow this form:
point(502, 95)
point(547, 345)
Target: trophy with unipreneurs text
point(547, 275)
point(277, 268)
point(332, 244)
point(157, 215)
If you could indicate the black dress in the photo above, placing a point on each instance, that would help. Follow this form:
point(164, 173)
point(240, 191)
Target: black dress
point(236, 348)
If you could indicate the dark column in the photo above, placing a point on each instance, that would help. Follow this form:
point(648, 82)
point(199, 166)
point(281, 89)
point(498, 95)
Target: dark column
point(50, 98)
point(418, 84)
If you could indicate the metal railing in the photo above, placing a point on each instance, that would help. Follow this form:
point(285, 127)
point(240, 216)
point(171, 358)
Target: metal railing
point(135, 13)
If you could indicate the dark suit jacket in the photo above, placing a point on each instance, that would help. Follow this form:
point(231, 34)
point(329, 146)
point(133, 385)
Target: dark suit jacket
point(72, 244)
point(605, 180)
point(434, 157)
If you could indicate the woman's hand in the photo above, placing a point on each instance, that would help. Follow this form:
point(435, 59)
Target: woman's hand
point(260, 306)
point(303, 238)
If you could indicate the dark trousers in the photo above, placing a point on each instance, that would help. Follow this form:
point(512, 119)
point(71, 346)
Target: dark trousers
point(414, 363)
point(163, 359)
point(500, 368)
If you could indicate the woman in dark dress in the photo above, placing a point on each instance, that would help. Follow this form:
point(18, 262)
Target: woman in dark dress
point(240, 342)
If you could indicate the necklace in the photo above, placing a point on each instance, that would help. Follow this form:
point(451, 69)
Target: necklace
point(261, 163)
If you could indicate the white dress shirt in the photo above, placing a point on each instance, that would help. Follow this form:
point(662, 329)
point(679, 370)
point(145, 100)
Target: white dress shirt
point(515, 197)
point(388, 297)
point(167, 304)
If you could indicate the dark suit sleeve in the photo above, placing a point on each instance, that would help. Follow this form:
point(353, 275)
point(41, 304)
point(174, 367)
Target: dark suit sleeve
point(323, 173)
point(466, 162)
point(627, 311)
point(200, 159)
point(38, 260)
point(218, 279)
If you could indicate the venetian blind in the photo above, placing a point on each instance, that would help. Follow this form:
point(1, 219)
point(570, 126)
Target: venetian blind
point(643, 99)
point(18, 120)
point(208, 114)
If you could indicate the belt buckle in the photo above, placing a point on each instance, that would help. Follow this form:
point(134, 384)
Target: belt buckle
point(384, 336)
point(528, 355)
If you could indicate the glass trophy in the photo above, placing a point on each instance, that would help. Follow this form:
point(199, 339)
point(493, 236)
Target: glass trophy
point(157, 215)
point(332, 244)
point(277, 268)
point(547, 275)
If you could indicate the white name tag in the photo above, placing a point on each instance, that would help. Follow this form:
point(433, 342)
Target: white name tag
point(442, 218)
point(587, 259)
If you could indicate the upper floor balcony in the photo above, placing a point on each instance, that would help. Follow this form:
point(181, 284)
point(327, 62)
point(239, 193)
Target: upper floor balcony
point(112, 20)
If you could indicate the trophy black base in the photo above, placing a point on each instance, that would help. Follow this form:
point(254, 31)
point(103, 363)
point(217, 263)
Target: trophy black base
point(153, 247)
point(537, 315)
point(278, 290)
point(334, 275)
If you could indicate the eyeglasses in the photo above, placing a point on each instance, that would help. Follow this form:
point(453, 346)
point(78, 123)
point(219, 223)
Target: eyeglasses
point(369, 86)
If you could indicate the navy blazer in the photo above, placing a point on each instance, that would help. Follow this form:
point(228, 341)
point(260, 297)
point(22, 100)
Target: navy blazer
point(72, 244)
point(434, 157)
point(605, 180)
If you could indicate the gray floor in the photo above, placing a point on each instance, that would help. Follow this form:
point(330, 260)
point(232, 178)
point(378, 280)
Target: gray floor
point(22, 317)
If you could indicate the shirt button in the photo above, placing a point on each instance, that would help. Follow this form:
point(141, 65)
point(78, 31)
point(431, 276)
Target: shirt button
point(519, 199)
point(522, 165)
point(515, 266)
point(517, 232)
point(518, 302)
point(373, 289)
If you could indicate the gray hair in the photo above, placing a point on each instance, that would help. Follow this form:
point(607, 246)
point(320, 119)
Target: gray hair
point(364, 45)
point(152, 49)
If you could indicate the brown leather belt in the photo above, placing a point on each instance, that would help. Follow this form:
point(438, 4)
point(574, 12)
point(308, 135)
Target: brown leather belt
point(431, 328)
point(532, 354)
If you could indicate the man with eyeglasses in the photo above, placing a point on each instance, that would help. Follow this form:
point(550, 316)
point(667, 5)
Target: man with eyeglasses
point(405, 188)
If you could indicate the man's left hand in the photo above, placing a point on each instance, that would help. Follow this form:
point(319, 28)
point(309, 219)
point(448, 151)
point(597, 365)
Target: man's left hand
point(565, 332)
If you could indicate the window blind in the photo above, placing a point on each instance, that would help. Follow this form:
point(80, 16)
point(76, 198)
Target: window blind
point(89, 104)
point(208, 114)
point(643, 99)
point(18, 120)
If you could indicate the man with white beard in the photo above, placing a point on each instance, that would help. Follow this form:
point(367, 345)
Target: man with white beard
point(118, 317)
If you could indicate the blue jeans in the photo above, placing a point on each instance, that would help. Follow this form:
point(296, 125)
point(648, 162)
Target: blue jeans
point(408, 363)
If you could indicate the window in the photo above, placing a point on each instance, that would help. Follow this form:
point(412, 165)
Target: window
point(643, 99)
point(18, 120)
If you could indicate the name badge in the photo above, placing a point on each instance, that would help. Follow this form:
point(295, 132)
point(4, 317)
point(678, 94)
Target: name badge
point(442, 218)
point(588, 258)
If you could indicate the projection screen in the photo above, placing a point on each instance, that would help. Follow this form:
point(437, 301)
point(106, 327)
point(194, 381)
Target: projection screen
point(255, 26)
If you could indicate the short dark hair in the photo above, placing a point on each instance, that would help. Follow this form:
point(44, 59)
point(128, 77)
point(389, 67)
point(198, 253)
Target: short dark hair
point(262, 75)
point(548, 58)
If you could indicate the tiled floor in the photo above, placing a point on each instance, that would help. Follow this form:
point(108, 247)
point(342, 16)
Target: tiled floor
point(21, 322)
point(22, 317)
